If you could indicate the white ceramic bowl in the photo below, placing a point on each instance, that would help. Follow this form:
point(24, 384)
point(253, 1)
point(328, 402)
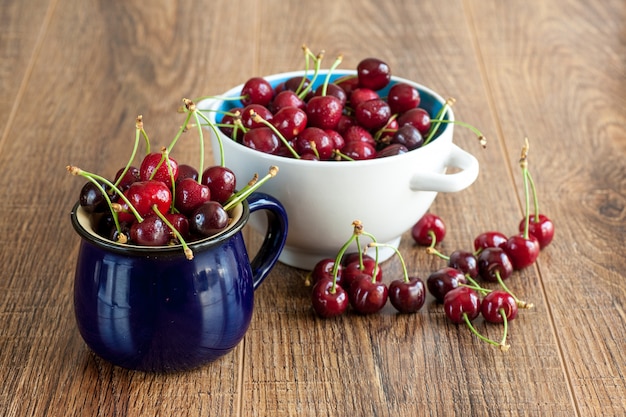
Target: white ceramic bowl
point(322, 198)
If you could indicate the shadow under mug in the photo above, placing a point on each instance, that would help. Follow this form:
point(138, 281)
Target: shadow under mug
point(152, 309)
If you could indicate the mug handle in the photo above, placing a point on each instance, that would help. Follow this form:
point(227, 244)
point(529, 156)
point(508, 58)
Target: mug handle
point(432, 181)
point(275, 237)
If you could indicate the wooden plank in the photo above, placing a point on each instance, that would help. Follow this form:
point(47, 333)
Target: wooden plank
point(556, 73)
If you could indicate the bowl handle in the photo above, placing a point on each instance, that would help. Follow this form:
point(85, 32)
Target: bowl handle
point(275, 236)
point(432, 181)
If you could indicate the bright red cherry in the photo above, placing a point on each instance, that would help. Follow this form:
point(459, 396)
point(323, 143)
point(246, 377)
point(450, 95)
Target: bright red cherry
point(461, 302)
point(257, 90)
point(324, 111)
point(323, 269)
point(407, 296)
point(403, 97)
point(190, 195)
point(373, 73)
point(221, 181)
point(491, 239)
point(373, 114)
point(155, 167)
point(495, 304)
point(522, 251)
point(542, 228)
point(444, 280)
point(329, 300)
point(367, 296)
point(152, 231)
point(143, 195)
point(429, 227)
point(417, 117)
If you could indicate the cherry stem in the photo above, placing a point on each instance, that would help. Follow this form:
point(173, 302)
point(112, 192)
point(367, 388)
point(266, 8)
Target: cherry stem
point(138, 130)
point(534, 191)
point(191, 107)
point(520, 303)
point(385, 129)
point(433, 251)
point(77, 171)
point(216, 132)
point(182, 129)
point(478, 133)
point(376, 266)
point(433, 240)
point(329, 73)
point(438, 119)
point(318, 61)
point(343, 156)
point(395, 249)
point(340, 254)
point(242, 195)
point(477, 333)
point(524, 165)
point(475, 285)
point(505, 322)
point(188, 252)
point(258, 119)
point(110, 205)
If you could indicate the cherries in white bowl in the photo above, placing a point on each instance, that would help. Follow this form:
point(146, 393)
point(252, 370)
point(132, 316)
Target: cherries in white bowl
point(350, 147)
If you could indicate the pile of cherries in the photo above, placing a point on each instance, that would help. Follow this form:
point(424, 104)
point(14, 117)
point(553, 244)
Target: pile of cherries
point(160, 202)
point(494, 259)
point(347, 119)
point(356, 279)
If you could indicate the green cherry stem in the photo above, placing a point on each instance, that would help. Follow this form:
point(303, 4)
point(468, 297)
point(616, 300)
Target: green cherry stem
point(329, 73)
point(258, 119)
point(188, 252)
point(524, 165)
point(502, 347)
point(138, 130)
point(191, 107)
point(376, 266)
point(216, 132)
point(182, 129)
point(438, 118)
point(505, 322)
point(395, 249)
point(340, 254)
point(121, 237)
point(478, 133)
point(520, 303)
point(242, 195)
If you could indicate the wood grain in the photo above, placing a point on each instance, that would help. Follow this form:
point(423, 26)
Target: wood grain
point(73, 77)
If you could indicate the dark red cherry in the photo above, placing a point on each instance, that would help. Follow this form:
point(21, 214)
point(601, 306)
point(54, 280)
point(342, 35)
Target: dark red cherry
point(358, 134)
point(227, 124)
point(155, 167)
point(497, 303)
point(290, 121)
point(442, 281)
point(248, 118)
point(391, 150)
point(352, 269)
point(221, 181)
point(373, 73)
point(328, 300)
point(372, 114)
point(361, 95)
point(359, 151)
point(187, 171)
point(417, 117)
point(428, 227)
point(152, 231)
point(91, 199)
point(366, 296)
point(522, 251)
point(323, 269)
point(208, 219)
point(132, 175)
point(324, 112)
point(297, 83)
point(262, 139)
point(257, 90)
point(489, 239)
point(403, 97)
point(461, 302)
point(407, 296)
point(465, 262)
point(180, 222)
point(333, 90)
point(190, 195)
point(348, 84)
point(493, 262)
point(315, 141)
point(409, 136)
point(286, 98)
point(542, 228)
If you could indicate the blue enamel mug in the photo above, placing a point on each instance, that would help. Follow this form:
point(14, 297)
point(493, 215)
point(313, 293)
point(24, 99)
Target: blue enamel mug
point(152, 309)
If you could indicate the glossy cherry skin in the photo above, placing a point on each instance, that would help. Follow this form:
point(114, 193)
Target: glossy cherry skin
point(417, 117)
point(248, 113)
point(286, 98)
point(91, 198)
point(208, 219)
point(132, 175)
point(373, 73)
point(373, 114)
point(391, 150)
point(324, 112)
point(444, 280)
point(190, 195)
point(465, 262)
point(495, 303)
point(359, 151)
point(542, 229)
point(221, 181)
point(491, 239)
point(429, 222)
point(403, 97)
point(366, 296)
point(323, 269)
point(143, 195)
point(153, 169)
point(257, 90)
point(262, 139)
point(352, 271)
point(522, 251)
point(290, 121)
point(460, 302)
point(492, 261)
point(186, 171)
point(152, 231)
point(409, 136)
point(316, 141)
point(328, 302)
point(407, 297)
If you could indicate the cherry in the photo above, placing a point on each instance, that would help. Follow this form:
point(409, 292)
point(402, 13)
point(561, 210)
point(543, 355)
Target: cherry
point(407, 296)
point(522, 251)
point(337, 139)
point(186, 171)
point(324, 111)
point(155, 167)
point(498, 305)
point(208, 219)
point(491, 239)
point(333, 90)
point(361, 95)
point(221, 181)
point(429, 230)
point(152, 231)
point(257, 90)
point(417, 117)
point(262, 139)
point(286, 98)
point(348, 84)
point(358, 134)
point(353, 270)
point(366, 295)
point(373, 114)
point(323, 269)
point(313, 140)
point(409, 136)
point(442, 281)
point(403, 97)
point(91, 198)
point(392, 150)
point(290, 121)
point(228, 125)
point(465, 262)
point(129, 176)
point(494, 264)
point(359, 151)
point(373, 73)
point(541, 227)
point(143, 195)
point(328, 298)
point(345, 122)
point(248, 116)
point(460, 304)
point(297, 84)
point(189, 195)
point(180, 223)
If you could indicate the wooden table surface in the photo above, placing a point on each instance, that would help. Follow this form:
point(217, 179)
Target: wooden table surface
point(75, 74)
